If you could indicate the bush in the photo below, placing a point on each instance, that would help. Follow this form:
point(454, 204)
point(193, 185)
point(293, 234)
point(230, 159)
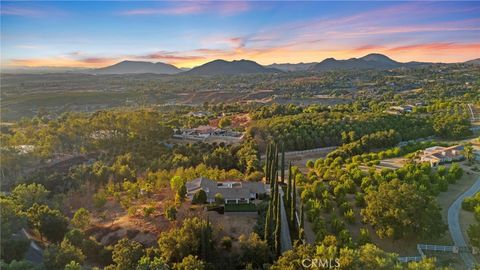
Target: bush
point(200, 197)
point(226, 242)
point(349, 216)
point(364, 237)
point(171, 213)
point(219, 199)
point(255, 177)
point(147, 211)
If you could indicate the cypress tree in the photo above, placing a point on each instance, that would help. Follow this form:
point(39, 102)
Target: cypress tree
point(267, 165)
point(273, 167)
point(282, 167)
point(268, 224)
point(301, 231)
point(278, 247)
point(289, 186)
point(293, 203)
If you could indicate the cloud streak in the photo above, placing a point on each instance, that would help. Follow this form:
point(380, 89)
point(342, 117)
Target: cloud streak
point(192, 8)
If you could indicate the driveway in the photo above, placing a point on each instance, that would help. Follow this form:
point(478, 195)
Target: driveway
point(454, 223)
point(286, 241)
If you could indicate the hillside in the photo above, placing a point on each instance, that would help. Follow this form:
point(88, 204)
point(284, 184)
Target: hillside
point(236, 67)
point(370, 61)
point(292, 67)
point(135, 67)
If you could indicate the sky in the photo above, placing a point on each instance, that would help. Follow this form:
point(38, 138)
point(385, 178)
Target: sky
point(189, 33)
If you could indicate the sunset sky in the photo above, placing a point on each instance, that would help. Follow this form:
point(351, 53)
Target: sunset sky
point(186, 34)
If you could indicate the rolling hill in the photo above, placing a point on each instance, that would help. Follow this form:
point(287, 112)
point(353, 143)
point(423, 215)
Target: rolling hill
point(370, 61)
point(288, 67)
point(135, 67)
point(236, 67)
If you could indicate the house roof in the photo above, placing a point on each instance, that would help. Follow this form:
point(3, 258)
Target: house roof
point(229, 189)
point(438, 152)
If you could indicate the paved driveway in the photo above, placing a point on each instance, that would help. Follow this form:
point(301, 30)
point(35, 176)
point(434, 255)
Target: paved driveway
point(454, 223)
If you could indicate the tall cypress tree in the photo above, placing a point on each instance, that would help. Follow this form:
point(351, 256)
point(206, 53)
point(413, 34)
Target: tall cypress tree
point(268, 223)
point(288, 195)
point(267, 165)
point(273, 166)
point(301, 228)
point(278, 224)
point(282, 166)
point(293, 203)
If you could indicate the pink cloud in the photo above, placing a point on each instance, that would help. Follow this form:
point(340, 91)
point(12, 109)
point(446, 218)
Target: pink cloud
point(191, 8)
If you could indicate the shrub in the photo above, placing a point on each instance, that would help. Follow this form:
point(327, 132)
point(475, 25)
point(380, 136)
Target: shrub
point(349, 216)
point(200, 197)
point(147, 211)
point(226, 242)
point(219, 198)
point(171, 213)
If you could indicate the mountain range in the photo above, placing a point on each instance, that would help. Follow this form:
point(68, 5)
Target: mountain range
point(373, 61)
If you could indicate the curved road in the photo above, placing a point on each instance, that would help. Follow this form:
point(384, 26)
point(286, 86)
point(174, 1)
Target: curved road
point(454, 223)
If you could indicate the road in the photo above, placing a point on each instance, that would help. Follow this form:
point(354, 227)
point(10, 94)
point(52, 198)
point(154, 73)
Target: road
point(454, 223)
point(34, 252)
point(471, 112)
point(286, 241)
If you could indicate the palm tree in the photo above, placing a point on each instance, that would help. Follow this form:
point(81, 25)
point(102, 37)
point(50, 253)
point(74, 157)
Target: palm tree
point(468, 153)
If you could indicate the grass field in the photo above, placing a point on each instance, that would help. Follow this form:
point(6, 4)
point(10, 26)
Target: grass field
point(250, 207)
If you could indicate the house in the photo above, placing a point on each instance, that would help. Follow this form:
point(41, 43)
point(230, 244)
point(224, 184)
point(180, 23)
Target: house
point(199, 114)
point(232, 191)
point(437, 154)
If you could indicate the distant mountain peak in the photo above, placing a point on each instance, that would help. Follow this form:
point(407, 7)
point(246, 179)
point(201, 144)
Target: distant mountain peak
point(369, 61)
point(135, 67)
point(235, 67)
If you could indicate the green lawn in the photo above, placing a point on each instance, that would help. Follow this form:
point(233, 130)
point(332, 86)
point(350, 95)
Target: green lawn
point(248, 207)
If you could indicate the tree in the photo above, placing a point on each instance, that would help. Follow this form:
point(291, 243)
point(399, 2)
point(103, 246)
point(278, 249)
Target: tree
point(200, 197)
point(191, 239)
point(73, 265)
point(152, 263)
point(58, 256)
point(219, 199)
point(301, 227)
point(171, 213)
point(226, 242)
point(176, 183)
point(254, 250)
point(267, 232)
point(293, 206)
point(11, 220)
point(468, 153)
point(20, 265)
point(474, 235)
point(81, 219)
point(181, 193)
point(49, 223)
point(126, 254)
point(190, 263)
point(224, 122)
point(27, 195)
point(397, 209)
point(294, 258)
point(278, 229)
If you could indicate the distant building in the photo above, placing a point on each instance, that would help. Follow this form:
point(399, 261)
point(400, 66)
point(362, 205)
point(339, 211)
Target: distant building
point(437, 154)
point(400, 109)
point(232, 191)
point(199, 114)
